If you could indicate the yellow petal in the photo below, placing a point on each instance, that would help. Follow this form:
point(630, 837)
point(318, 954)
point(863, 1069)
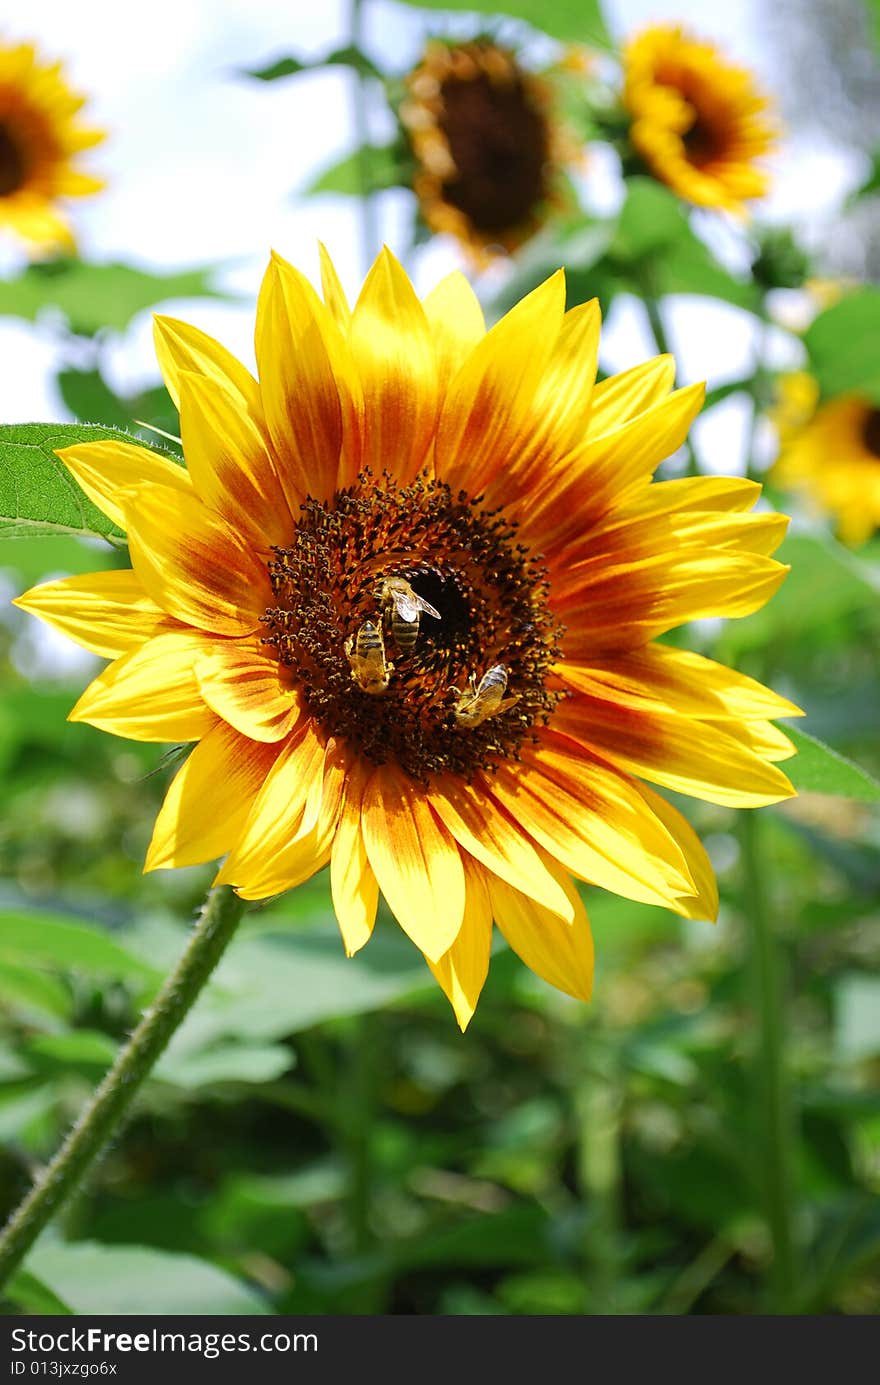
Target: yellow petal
point(462, 971)
point(277, 810)
point(626, 605)
point(299, 389)
point(416, 861)
point(229, 464)
point(561, 953)
point(108, 470)
point(249, 690)
point(180, 347)
point(683, 681)
point(592, 819)
point(394, 356)
point(703, 905)
point(456, 324)
point(334, 293)
point(487, 403)
point(630, 392)
point(670, 749)
point(354, 887)
point(209, 799)
point(193, 564)
point(106, 612)
point(150, 694)
point(479, 825)
point(598, 475)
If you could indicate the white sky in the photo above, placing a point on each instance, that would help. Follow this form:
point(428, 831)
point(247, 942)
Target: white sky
point(202, 168)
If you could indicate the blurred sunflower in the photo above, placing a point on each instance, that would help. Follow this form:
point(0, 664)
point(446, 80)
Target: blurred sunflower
point(698, 122)
point(40, 138)
point(830, 453)
point(489, 146)
point(405, 598)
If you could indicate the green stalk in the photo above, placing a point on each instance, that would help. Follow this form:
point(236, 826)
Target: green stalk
point(773, 1103)
point(370, 243)
point(658, 332)
point(100, 1120)
point(597, 1108)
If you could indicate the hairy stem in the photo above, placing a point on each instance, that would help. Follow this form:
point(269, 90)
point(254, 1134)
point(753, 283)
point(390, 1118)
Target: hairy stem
point(101, 1118)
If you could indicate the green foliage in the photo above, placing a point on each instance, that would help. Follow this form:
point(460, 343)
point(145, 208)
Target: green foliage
point(37, 494)
point(576, 21)
point(823, 770)
point(649, 250)
point(349, 56)
point(94, 297)
point(90, 399)
point(843, 345)
point(376, 166)
point(89, 1278)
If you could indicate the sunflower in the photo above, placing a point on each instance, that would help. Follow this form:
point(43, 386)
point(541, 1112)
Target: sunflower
point(699, 123)
point(405, 600)
point(488, 145)
point(40, 138)
point(831, 454)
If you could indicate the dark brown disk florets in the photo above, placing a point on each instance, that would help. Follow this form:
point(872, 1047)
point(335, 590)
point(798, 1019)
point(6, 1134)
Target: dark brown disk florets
point(461, 559)
point(871, 432)
point(499, 144)
point(12, 163)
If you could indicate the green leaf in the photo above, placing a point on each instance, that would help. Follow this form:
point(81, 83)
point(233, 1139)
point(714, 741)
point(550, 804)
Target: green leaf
point(267, 987)
point(843, 345)
point(576, 21)
point(291, 67)
point(52, 941)
point(826, 581)
point(385, 168)
point(871, 184)
point(31, 1294)
point(857, 1017)
point(97, 296)
point(27, 991)
point(819, 769)
point(89, 398)
point(250, 1063)
point(111, 1280)
point(655, 249)
point(37, 494)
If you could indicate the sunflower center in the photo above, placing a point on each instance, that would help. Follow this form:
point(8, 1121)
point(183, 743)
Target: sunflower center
point(701, 142)
point(12, 163)
point(871, 432)
point(498, 143)
point(417, 628)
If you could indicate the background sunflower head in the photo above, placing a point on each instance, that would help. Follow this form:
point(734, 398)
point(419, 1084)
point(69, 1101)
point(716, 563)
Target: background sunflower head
point(698, 122)
point(830, 453)
point(488, 143)
point(40, 139)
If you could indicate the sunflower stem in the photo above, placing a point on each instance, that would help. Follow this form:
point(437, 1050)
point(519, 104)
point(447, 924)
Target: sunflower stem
point(760, 387)
point(102, 1117)
point(661, 341)
point(773, 1104)
point(370, 242)
point(597, 1104)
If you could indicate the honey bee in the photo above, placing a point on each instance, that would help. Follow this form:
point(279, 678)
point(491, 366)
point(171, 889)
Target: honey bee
point(365, 652)
point(402, 607)
point(485, 699)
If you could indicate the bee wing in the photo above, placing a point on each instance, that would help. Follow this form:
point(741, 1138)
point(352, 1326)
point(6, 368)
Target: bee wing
point(427, 608)
point(408, 606)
